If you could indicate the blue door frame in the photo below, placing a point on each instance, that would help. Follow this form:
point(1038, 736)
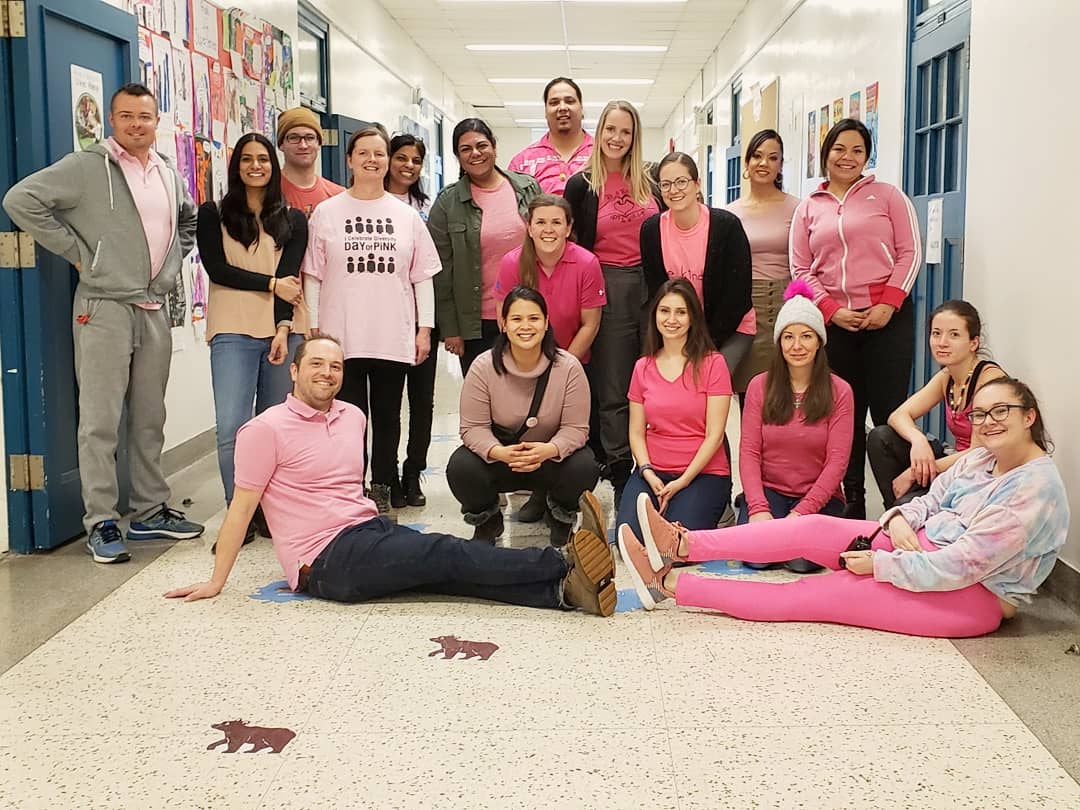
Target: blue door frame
point(40, 397)
point(334, 159)
point(935, 163)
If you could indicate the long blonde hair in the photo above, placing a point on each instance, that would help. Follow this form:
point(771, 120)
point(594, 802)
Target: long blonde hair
point(633, 165)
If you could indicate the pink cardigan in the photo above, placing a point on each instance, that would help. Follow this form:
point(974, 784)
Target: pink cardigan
point(795, 459)
point(859, 251)
point(488, 397)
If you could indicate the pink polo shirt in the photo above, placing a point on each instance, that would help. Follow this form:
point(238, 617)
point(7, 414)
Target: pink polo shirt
point(501, 230)
point(153, 201)
point(675, 412)
point(574, 284)
point(309, 467)
point(795, 459)
point(618, 224)
point(542, 161)
point(684, 257)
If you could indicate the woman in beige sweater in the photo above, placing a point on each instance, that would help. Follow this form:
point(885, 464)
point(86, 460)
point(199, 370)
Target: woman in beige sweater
point(510, 445)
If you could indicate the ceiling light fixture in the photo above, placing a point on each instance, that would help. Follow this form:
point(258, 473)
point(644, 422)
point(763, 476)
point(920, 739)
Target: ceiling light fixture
point(548, 48)
point(629, 82)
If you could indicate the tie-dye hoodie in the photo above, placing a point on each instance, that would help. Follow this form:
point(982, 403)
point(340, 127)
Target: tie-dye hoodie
point(1003, 531)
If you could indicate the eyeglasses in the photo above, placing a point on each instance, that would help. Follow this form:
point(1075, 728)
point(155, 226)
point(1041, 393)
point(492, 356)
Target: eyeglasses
point(679, 185)
point(295, 138)
point(999, 413)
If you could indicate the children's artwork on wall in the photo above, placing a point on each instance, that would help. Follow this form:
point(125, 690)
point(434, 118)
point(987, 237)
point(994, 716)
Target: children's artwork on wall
point(251, 52)
point(219, 170)
point(286, 64)
point(200, 78)
point(872, 121)
point(232, 109)
point(204, 27)
point(183, 90)
point(177, 22)
point(149, 14)
point(855, 106)
point(250, 107)
point(823, 128)
point(204, 180)
point(146, 59)
point(185, 160)
point(163, 77)
point(811, 145)
point(269, 76)
point(198, 296)
point(837, 111)
point(218, 109)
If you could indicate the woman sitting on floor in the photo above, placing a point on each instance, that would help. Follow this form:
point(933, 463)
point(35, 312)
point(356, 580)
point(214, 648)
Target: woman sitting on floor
point(796, 425)
point(904, 460)
point(952, 564)
point(524, 422)
point(680, 393)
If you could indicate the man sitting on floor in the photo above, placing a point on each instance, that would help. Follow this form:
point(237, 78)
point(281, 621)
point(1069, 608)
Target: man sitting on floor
point(303, 460)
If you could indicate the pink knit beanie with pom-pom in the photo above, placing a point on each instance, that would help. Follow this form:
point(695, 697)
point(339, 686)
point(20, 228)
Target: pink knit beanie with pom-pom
point(799, 308)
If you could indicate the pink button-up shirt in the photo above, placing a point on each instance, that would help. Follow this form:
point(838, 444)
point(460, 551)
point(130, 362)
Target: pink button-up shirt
point(543, 162)
point(153, 201)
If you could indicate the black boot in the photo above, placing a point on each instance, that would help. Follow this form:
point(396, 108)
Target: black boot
point(397, 494)
point(490, 530)
point(560, 531)
point(855, 494)
point(414, 496)
point(533, 509)
point(620, 474)
point(258, 520)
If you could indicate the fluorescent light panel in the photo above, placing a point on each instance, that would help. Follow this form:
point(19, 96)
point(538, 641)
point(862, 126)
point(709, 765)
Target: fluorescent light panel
point(633, 82)
point(625, 2)
point(538, 103)
point(547, 48)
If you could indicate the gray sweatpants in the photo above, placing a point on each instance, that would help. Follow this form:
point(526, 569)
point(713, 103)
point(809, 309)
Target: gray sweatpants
point(122, 356)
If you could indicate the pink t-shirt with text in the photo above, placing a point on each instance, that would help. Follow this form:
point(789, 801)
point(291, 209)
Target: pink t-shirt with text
point(675, 412)
point(575, 283)
point(618, 224)
point(309, 467)
point(368, 254)
point(501, 230)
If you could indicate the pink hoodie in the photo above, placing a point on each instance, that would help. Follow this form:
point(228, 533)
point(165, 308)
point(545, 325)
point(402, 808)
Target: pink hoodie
point(859, 251)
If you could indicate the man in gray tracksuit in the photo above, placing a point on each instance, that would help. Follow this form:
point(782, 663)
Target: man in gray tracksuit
point(121, 214)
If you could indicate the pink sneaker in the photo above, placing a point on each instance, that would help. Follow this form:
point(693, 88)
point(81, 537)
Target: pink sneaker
point(661, 536)
point(648, 584)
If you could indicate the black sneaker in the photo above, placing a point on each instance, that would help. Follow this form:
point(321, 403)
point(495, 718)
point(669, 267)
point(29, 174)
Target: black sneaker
point(258, 520)
point(414, 496)
point(249, 537)
point(397, 495)
point(490, 530)
point(380, 493)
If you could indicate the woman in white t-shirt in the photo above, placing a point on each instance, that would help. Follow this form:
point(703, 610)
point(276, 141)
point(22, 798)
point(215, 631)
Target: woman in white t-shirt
point(367, 280)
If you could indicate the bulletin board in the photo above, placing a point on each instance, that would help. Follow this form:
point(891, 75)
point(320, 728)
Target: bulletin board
point(762, 111)
point(217, 74)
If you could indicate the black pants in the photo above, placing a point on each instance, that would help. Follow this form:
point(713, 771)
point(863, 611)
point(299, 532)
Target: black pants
point(876, 363)
point(420, 385)
point(477, 483)
point(474, 347)
point(890, 455)
point(379, 558)
point(380, 383)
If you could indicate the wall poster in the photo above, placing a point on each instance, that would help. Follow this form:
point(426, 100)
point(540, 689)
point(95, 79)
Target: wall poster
point(87, 107)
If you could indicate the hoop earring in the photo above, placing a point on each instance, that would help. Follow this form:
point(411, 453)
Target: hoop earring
point(745, 174)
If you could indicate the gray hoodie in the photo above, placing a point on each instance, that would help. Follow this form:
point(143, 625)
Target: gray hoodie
point(81, 208)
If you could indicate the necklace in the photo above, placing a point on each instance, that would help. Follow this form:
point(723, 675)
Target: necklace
point(799, 397)
point(956, 395)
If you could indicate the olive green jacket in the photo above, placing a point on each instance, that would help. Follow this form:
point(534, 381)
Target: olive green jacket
point(454, 223)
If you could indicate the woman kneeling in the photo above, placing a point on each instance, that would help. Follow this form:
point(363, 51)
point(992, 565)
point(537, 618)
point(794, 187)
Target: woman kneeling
point(524, 422)
point(952, 564)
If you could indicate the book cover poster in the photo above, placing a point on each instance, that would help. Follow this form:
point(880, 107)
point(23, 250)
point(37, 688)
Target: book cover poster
point(872, 121)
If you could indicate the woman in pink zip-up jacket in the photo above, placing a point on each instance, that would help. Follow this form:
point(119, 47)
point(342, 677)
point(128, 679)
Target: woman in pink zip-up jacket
point(856, 242)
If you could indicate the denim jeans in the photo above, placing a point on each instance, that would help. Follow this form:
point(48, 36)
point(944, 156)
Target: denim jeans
point(699, 506)
point(243, 378)
point(780, 506)
point(379, 558)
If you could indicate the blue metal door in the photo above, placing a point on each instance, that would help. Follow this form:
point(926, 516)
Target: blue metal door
point(936, 165)
point(334, 165)
point(59, 34)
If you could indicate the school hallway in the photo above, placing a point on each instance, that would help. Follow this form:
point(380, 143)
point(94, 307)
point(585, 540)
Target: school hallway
point(109, 693)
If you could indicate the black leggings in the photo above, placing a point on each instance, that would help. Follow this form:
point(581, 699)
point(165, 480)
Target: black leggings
point(384, 381)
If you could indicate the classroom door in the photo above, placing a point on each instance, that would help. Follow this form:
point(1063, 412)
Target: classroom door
point(40, 395)
point(936, 166)
point(337, 129)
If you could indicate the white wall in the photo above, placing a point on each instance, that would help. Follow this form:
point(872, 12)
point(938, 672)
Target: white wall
point(1021, 207)
point(820, 50)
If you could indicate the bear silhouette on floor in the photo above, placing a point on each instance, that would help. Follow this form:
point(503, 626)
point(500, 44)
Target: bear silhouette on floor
point(238, 733)
point(452, 645)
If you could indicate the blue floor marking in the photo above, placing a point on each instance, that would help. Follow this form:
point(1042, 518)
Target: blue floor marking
point(278, 592)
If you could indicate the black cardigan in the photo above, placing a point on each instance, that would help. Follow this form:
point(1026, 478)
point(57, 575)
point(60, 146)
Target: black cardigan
point(212, 253)
point(585, 207)
point(725, 282)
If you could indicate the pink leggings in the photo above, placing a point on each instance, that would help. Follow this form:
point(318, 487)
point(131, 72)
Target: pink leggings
point(839, 597)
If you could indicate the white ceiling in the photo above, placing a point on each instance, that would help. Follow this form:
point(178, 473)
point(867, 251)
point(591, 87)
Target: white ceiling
point(690, 30)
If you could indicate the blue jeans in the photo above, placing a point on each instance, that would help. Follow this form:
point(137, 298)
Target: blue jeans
point(780, 506)
point(243, 378)
point(378, 558)
point(699, 506)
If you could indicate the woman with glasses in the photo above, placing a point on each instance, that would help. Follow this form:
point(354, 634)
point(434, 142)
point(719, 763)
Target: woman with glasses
point(904, 460)
point(474, 223)
point(404, 182)
point(952, 563)
point(856, 242)
point(707, 247)
point(610, 200)
point(251, 244)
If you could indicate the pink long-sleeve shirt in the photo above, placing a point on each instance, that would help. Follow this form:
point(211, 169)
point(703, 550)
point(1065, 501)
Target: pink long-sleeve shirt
point(858, 251)
point(486, 397)
point(795, 459)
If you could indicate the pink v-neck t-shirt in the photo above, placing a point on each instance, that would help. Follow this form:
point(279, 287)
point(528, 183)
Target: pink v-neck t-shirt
point(501, 230)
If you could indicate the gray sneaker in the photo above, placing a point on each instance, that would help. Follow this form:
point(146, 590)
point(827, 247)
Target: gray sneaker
point(164, 524)
point(106, 545)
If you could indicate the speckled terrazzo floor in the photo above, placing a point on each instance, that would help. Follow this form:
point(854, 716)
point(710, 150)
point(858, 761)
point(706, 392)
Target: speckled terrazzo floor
point(668, 709)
